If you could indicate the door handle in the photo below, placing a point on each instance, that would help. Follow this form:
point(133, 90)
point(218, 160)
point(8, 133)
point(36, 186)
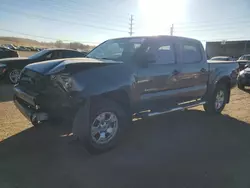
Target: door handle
point(175, 72)
point(203, 70)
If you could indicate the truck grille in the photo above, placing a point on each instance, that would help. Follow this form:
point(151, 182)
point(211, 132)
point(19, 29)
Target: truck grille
point(32, 80)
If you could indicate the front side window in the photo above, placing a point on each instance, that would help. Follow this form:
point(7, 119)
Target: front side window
point(117, 49)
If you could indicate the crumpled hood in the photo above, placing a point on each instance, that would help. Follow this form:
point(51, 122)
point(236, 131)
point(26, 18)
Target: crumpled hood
point(71, 65)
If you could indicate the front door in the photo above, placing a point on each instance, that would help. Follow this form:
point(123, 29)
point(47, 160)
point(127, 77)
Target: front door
point(157, 82)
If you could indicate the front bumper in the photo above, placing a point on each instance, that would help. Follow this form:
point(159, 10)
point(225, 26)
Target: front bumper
point(27, 106)
point(37, 107)
point(31, 114)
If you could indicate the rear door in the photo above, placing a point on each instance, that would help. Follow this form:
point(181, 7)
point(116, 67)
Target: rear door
point(157, 82)
point(193, 75)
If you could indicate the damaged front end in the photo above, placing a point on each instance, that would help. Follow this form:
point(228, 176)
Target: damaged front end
point(44, 97)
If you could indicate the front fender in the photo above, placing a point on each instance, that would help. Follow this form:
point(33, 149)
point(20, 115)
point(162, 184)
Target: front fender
point(81, 120)
point(105, 79)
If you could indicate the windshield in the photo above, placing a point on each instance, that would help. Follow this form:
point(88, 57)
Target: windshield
point(117, 49)
point(38, 54)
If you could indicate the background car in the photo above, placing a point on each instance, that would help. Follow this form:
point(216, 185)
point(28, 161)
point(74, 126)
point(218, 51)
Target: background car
point(222, 58)
point(243, 79)
point(243, 61)
point(23, 48)
point(10, 46)
point(7, 53)
point(14, 66)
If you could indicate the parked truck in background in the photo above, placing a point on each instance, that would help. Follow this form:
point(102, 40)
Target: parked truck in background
point(122, 78)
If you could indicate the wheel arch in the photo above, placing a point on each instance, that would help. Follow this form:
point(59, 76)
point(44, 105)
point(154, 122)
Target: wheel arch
point(225, 80)
point(121, 97)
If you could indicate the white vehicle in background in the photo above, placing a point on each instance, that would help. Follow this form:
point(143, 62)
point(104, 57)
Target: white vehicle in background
point(222, 58)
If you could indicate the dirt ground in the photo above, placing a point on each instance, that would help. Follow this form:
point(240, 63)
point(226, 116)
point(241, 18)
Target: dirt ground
point(182, 150)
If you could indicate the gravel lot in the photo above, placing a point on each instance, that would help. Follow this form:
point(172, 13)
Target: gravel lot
point(184, 149)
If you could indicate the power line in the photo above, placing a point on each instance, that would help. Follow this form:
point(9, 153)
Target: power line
point(42, 37)
point(81, 9)
point(73, 13)
point(90, 6)
point(212, 21)
point(63, 21)
point(222, 26)
point(225, 29)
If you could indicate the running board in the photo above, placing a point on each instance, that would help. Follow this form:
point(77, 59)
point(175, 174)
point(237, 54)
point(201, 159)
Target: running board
point(175, 109)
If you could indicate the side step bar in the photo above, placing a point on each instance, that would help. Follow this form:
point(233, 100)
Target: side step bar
point(175, 109)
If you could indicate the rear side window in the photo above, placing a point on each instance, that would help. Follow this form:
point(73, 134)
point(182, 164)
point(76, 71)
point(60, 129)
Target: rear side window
point(191, 52)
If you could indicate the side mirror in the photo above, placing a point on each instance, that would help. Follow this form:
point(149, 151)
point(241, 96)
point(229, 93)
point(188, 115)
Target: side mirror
point(246, 65)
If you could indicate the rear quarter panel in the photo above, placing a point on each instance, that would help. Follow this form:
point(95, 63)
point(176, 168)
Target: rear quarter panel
point(222, 69)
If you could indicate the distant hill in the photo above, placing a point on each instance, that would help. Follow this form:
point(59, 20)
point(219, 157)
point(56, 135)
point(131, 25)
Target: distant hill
point(30, 42)
point(23, 42)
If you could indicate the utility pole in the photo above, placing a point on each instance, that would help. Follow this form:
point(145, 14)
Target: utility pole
point(172, 30)
point(131, 19)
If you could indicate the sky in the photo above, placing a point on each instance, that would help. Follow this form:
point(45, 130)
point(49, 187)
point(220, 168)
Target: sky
point(93, 21)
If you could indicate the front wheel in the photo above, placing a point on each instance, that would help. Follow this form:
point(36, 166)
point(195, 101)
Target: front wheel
point(14, 75)
point(106, 126)
point(216, 103)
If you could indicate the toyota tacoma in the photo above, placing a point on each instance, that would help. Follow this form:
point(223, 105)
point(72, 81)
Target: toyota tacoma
point(120, 79)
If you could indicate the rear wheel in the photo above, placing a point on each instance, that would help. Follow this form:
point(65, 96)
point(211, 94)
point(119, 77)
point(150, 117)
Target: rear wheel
point(218, 100)
point(13, 75)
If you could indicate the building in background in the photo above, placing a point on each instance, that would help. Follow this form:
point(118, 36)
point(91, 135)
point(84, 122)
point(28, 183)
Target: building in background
point(227, 48)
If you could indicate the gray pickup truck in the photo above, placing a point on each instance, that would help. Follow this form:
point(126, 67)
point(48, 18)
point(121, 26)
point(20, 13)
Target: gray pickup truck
point(121, 79)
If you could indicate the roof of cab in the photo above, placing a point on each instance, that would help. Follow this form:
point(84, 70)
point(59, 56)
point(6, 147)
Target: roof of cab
point(160, 36)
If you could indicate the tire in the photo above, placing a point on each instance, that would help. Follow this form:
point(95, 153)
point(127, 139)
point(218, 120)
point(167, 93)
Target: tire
point(90, 139)
point(213, 106)
point(240, 86)
point(13, 75)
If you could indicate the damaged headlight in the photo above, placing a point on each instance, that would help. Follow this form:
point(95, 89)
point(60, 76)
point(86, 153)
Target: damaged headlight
point(64, 80)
